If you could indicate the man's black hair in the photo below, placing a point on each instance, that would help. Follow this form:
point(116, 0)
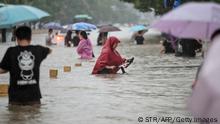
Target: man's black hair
point(23, 33)
point(141, 31)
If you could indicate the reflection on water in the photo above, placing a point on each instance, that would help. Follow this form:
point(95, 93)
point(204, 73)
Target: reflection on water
point(150, 88)
point(22, 114)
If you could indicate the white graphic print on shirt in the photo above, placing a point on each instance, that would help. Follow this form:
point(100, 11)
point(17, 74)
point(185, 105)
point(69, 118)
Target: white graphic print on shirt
point(26, 64)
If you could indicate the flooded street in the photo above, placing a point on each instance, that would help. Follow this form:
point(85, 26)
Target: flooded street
point(153, 86)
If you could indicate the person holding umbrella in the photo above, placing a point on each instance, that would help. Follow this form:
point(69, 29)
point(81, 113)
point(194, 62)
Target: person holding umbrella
point(49, 37)
point(68, 38)
point(76, 39)
point(102, 38)
point(139, 38)
point(205, 96)
point(187, 21)
point(103, 35)
point(139, 32)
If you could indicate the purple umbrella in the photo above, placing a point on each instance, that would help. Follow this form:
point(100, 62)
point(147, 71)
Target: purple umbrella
point(191, 20)
point(53, 25)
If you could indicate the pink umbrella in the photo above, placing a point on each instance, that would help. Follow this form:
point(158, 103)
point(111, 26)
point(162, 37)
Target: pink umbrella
point(191, 20)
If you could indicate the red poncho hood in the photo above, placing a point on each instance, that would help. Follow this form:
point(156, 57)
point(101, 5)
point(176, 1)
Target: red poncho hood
point(108, 56)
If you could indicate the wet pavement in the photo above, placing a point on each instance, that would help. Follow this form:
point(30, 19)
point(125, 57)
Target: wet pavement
point(153, 86)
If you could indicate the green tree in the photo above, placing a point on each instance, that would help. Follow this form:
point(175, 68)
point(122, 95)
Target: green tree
point(16, 1)
point(102, 11)
point(145, 5)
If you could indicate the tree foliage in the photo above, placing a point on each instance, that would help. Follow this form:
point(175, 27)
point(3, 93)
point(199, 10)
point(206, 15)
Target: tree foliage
point(102, 11)
point(145, 5)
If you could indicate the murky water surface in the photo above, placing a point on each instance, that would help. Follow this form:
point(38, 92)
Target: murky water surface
point(153, 86)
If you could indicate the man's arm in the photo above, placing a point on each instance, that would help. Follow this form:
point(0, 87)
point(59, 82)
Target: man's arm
point(50, 51)
point(2, 71)
point(45, 51)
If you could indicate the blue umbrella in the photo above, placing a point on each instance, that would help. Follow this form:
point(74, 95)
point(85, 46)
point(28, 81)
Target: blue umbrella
point(10, 15)
point(53, 25)
point(83, 26)
point(138, 28)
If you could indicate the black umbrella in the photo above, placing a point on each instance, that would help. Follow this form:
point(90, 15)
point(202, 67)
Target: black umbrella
point(108, 28)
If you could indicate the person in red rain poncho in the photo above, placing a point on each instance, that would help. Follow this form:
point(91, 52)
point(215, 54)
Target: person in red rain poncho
point(109, 60)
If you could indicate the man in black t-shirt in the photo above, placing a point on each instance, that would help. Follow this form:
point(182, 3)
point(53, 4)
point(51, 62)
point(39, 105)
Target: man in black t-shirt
point(23, 63)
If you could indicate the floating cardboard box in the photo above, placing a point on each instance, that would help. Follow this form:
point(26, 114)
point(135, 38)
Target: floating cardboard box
point(53, 73)
point(67, 68)
point(78, 64)
point(3, 89)
point(91, 60)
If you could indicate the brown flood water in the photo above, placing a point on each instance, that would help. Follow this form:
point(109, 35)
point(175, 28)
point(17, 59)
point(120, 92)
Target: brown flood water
point(152, 87)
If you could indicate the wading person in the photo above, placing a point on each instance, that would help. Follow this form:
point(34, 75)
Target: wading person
point(102, 38)
point(23, 63)
point(76, 39)
point(204, 102)
point(166, 47)
point(68, 39)
point(109, 60)
point(139, 38)
point(84, 48)
point(49, 37)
